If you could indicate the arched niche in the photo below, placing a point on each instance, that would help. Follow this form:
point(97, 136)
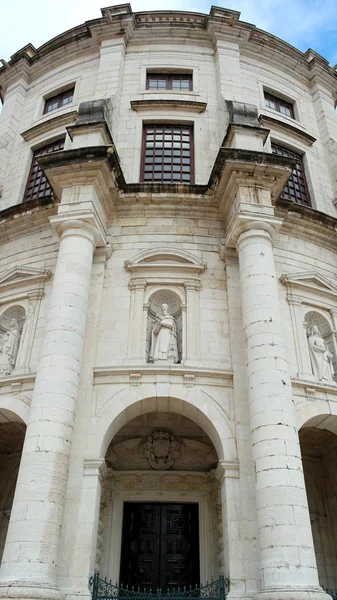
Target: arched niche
point(321, 347)
point(164, 345)
point(11, 326)
point(166, 270)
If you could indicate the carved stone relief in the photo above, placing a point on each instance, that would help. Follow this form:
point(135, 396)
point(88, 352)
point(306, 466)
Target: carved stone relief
point(11, 324)
point(161, 451)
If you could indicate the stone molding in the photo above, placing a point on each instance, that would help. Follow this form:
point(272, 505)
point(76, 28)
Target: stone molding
point(170, 104)
point(49, 125)
point(295, 131)
point(180, 260)
point(106, 374)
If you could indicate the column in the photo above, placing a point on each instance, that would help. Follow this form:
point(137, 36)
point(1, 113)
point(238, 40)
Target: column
point(83, 564)
point(31, 553)
point(287, 555)
point(233, 559)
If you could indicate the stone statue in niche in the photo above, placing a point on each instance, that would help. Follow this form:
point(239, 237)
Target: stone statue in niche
point(320, 356)
point(161, 450)
point(9, 347)
point(163, 345)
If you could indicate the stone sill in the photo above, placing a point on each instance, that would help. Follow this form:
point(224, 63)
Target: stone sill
point(172, 104)
point(6, 380)
point(51, 123)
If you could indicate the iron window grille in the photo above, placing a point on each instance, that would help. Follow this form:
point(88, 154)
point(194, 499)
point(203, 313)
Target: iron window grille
point(58, 101)
point(281, 106)
point(37, 184)
point(296, 188)
point(167, 154)
point(169, 81)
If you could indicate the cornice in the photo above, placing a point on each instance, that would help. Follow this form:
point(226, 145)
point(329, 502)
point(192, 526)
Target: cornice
point(172, 104)
point(307, 223)
point(49, 124)
point(274, 123)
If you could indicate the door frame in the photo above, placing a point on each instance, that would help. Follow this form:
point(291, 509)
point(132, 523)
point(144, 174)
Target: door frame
point(113, 528)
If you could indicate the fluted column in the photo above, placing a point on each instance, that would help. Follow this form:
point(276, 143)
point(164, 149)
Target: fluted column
point(30, 559)
point(287, 554)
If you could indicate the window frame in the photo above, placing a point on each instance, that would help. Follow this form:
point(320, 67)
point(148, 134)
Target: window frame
point(168, 77)
point(278, 102)
point(143, 151)
point(300, 173)
point(60, 95)
point(39, 172)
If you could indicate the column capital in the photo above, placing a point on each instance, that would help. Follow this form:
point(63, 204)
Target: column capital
point(252, 225)
point(227, 468)
point(95, 467)
point(86, 225)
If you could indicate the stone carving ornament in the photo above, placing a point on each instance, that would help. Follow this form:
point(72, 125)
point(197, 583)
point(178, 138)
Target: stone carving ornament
point(161, 450)
point(9, 347)
point(320, 356)
point(163, 345)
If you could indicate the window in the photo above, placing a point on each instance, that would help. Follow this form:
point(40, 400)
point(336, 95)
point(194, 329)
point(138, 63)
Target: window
point(296, 188)
point(167, 154)
point(282, 106)
point(58, 101)
point(37, 184)
point(169, 81)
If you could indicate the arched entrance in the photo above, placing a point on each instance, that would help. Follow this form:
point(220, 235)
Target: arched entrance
point(318, 442)
point(12, 434)
point(160, 507)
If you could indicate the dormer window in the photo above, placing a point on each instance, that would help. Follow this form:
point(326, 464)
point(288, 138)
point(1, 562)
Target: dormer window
point(169, 81)
point(58, 101)
point(281, 106)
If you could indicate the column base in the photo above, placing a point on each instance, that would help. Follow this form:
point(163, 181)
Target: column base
point(29, 591)
point(295, 593)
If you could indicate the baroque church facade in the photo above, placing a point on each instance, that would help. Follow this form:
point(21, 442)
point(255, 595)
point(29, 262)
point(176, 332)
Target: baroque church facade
point(168, 310)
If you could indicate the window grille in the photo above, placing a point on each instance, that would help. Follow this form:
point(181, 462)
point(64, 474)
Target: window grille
point(296, 188)
point(167, 81)
point(281, 106)
point(37, 184)
point(58, 101)
point(167, 155)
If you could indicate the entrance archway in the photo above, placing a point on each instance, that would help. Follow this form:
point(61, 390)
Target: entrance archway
point(12, 434)
point(159, 517)
point(319, 455)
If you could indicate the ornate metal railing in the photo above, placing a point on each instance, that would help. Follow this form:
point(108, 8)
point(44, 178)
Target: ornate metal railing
point(332, 593)
point(102, 589)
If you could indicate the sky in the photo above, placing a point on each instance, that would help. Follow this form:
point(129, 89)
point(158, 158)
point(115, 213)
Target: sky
point(302, 23)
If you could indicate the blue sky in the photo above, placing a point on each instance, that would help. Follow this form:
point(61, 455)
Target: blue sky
point(302, 23)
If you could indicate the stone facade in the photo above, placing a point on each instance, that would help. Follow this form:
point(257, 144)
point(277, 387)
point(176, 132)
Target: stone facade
point(168, 342)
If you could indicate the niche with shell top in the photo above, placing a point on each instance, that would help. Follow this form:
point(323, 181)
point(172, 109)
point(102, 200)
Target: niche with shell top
point(157, 336)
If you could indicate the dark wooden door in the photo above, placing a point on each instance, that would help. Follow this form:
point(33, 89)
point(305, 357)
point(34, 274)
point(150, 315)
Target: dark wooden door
point(160, 546)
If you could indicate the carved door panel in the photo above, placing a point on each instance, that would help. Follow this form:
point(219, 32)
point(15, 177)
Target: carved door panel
point(160, 547)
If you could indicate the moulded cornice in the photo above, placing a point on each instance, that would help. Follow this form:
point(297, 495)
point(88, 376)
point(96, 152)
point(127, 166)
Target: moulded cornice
point(104, 374)
point(49, 125)
point(274, 123)
point(168, 104)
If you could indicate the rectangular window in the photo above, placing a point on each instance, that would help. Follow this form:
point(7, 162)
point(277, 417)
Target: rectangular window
point(58, 101)
point(37, 184)
point(167, 154)
point(169, 81)
point(296, 188)
point(281, 106)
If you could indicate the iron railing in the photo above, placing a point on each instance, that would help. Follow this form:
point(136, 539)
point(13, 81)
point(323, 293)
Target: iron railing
point(103, 589)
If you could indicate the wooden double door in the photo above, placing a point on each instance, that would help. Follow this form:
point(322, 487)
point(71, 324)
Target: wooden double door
point(160, 546)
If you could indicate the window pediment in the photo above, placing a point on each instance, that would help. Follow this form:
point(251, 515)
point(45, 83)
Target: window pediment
point(19, 279)
point(165, 259)
point(310, 281)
